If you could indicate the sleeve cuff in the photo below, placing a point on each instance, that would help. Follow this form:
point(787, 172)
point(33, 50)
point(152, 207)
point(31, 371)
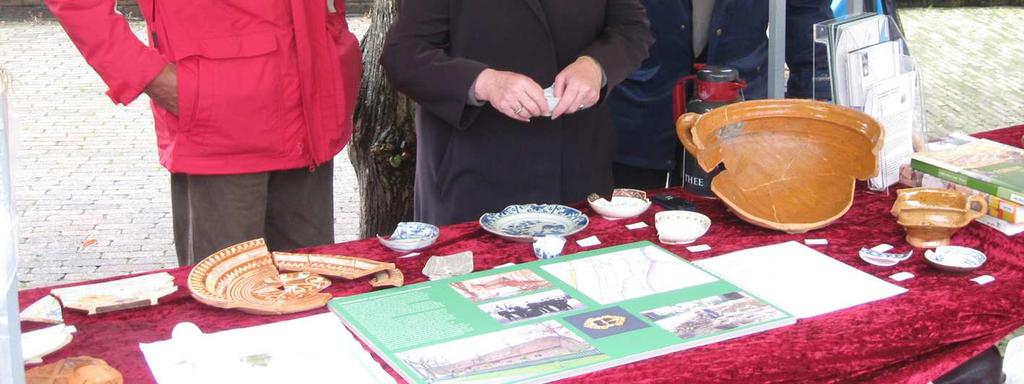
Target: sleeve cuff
point(149, 65)
point(471, 96)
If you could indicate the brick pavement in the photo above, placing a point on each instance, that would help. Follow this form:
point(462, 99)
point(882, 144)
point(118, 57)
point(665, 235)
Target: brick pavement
point(87, 170)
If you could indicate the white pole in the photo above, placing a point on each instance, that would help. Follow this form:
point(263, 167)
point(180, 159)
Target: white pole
point(12, 366)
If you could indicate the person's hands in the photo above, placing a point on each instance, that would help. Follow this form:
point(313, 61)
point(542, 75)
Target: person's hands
point(515, 95)
point(578, 86)
point(164, 89)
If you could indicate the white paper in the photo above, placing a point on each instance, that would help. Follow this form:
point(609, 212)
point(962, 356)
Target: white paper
point(636, 226)
point(699, 248)
point(314, 349)
point(798, 279)
point(869, 65)
point(902, 276)
point(983, 279)
point(891, 102)
point(588, 242)
point(414, 254)
point(816, 241)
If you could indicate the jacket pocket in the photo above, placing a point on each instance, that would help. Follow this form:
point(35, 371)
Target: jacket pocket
point(230, 95)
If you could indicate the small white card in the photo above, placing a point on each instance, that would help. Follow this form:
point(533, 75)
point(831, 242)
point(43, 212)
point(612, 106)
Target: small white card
point(636, 226)
point(983, 279)
point(816, 241)
point(699, 248)
point(882, 248)
point(588, 242)
point(414, 254)
point(504, 265)
point(902, 276)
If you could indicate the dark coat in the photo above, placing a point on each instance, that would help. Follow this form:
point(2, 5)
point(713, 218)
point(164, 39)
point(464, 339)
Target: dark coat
point(472, 160)
point(642, 104)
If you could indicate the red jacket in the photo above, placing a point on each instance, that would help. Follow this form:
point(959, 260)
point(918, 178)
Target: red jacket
point(262, 84)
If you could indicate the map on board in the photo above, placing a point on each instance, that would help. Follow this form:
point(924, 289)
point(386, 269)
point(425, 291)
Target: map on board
point(555, 318)
point(628, 274)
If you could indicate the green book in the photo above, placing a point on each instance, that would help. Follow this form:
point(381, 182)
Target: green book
point(984, 165)
point(551, 319)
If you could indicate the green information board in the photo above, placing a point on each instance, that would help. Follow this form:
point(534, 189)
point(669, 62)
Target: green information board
point(556, 318)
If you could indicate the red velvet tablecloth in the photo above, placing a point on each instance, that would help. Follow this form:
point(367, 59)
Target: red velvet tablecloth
point(941, 322)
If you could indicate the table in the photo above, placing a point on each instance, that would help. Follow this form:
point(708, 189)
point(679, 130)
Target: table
point(913, 338)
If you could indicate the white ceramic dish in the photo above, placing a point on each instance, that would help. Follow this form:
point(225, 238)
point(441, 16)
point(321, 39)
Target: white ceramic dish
point(625, 203)
point(883, 259)
point(411, 236)
point(525, 222)
point(955, 259)
point(680, 227)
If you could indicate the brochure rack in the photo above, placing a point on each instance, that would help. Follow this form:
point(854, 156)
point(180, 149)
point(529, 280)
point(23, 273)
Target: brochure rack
point(862, 62)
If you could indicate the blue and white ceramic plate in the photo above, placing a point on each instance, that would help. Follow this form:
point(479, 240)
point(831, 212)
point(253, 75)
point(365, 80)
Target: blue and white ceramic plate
point(524, 222)
point(955, 259)
point(410, 236)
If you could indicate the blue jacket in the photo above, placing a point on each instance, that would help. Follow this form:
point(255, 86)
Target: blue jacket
point(642, 105)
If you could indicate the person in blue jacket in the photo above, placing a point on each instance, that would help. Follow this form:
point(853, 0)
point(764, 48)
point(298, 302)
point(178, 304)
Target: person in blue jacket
point(715, 32)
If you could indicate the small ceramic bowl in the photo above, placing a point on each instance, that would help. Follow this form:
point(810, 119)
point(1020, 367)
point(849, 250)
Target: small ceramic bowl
point(955, 259)
point(680, 227)
point(625, 203)
point(547, 247)
point(411, 236)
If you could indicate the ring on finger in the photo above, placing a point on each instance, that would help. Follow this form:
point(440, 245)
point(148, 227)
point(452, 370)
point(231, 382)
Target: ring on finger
point(517, 109)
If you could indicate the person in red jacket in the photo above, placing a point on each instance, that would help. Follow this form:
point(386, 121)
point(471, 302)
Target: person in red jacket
point(251, 99)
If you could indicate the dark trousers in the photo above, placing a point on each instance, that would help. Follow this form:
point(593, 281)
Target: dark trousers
point(290, 209)
point(628, 176)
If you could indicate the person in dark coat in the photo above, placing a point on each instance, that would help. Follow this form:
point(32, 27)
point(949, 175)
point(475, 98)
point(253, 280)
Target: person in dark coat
point(725, 32)
point(486, 137)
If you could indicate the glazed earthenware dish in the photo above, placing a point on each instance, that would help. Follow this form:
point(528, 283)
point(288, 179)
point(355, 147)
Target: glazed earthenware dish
point(790, 165)
point(625, 203)
point(247, 277)
point(680, 227)
point(932, 215)
point(74, 370)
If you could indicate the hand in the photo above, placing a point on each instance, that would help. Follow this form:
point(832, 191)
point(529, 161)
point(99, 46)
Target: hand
point(578, 86)
point(516, 96)
point(164, 89)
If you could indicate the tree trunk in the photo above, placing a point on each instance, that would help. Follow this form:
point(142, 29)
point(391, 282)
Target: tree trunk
point(383, 146)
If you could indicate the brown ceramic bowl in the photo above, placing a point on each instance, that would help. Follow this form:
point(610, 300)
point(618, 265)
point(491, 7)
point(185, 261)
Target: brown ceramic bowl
point(790, 165)
point(931, 215)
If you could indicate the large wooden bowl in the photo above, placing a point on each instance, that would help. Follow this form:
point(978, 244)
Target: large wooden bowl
point(790, 165)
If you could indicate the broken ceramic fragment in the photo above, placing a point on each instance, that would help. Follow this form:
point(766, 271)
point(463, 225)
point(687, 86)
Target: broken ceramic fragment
point(74, 370)
point(248, 277)
point(116, 295)
point(790, 165)
point(45, 310)
point(625, 203)
point(39, 343)
point(443, 267)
